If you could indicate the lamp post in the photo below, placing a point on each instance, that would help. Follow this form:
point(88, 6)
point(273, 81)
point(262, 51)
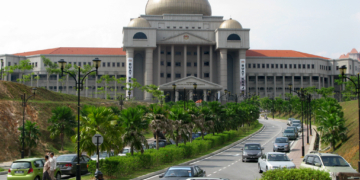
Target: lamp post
point(174, 88)
point(24, 101)
point(301, 94)
point(187, 94)
point(79, 86)
point(2, 65)
point(357, 87)
point(195, 86)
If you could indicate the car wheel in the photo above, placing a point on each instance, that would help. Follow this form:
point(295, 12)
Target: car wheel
point(274, 150)
point(260, 171)
point(58, 176)
point(266, 168)
point(37, 178)
point(242, 159)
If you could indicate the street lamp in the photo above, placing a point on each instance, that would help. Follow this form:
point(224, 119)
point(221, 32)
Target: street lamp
point(195, 86)
point(24, 101)
point(174, 87)
point(79, 86)
point(357, 87)
point(301, 94)
point(2, 65)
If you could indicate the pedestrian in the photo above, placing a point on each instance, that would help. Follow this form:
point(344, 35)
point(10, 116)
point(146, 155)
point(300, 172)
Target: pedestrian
point(46, 169)
point(52, 166)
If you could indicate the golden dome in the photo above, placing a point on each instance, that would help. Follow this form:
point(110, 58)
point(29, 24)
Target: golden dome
point(230, 24)
point(160, 7)
point(139, 22)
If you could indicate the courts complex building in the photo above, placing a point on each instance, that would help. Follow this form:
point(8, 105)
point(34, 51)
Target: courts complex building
point(180, 42)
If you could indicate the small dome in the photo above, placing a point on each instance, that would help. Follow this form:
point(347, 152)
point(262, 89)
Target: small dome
point(230, 24)
point(160, 7)
point(139, 22)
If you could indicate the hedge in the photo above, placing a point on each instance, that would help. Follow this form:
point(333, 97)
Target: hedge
point(295, 174)
point(120, 166)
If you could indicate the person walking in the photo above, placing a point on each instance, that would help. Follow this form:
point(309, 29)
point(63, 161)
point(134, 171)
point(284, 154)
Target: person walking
point(46, 169)
point(52, 166)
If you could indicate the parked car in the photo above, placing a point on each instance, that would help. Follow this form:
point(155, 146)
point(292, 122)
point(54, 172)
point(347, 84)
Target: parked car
point(298, 126)
point(162, 143)
point(295, 129)
point(124, 151)
point(103, 155)
point(332, 163)
point(281, 144)
point(67, 164)
point(274, 160)
point(196, 135)
point(289, 133)
point(183, 172)
point(289, 121)
point(29, 169)
point(295, 121)
point(251, 151)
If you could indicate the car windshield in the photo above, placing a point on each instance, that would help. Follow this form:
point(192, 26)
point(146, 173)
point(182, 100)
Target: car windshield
point(334, 161)
point(278, 157)
point(65, 158)
point(296, 124)
point(20, 165)
point(179, 172)
point(281, 140)
point(289, 131)
point(102, 155)
point(291, 127)
point(252, 147)
point(125, 151)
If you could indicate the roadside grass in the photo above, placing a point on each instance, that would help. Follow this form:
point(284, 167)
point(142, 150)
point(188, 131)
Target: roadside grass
point(1, 169)
point(147, 171)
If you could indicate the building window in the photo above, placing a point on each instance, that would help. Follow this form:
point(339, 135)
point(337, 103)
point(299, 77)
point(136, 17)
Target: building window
point(272, 66)
point(304, 66)
point(281, 66)
point(199, 27)
point(233, 37)
point(168, 53)
point(337, 67)
point(178, 53)
point(207, 63)
point(285, 66)
point(140, 35)
point(113, 64)
point(254, 65)
point(169, 64)
point(188, 64)
point(294, 66)
point(188, 75)
point(249, 65)
point(168, 75)
point(350, 67)
point(118, 64)
point(89, 63)
point(206, 52)
point(290, 66)
point(195, 53)
point(79, 63)
point(193, 27)
point(188, 53)
point(108, 64)
point(277, 66)
point(180, 27)
point(84, 63)
point(329, 68)
point(162, 63)
point(162, 52)
point(104, 64)
point(35, 64)
point(168, 27)
point(16, 64)
point(258, 66)
point(320, 67)
point(122, 76)
point(299, 66)
point(9, 63)
point(178, 64)
point(267, 66)
point(195, 64)
point(263, 66)
point(325, 67)
point(195, 75)
point(187, 27)
point(177, 75)
point(313, 66)
point(206, 75)
point(174, 27)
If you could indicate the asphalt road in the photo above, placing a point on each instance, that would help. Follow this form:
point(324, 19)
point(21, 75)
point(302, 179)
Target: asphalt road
point(228, 164)
point(3, 177)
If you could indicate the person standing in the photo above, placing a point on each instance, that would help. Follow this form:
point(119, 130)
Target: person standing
point(46, 169)
point(52, 166)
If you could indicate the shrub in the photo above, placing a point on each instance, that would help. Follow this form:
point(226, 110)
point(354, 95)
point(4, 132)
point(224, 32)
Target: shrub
point(295, 174)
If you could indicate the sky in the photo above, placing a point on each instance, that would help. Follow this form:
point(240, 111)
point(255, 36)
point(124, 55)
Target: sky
point(323, 27)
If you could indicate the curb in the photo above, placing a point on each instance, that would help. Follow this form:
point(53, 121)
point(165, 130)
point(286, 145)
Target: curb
point(3, 173)
point(200, 158)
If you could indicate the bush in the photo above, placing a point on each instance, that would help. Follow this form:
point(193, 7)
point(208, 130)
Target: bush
point(295, 174)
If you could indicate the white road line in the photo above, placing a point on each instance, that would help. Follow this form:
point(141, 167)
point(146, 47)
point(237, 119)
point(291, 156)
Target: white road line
point(209, 175)
point(194, 162)
point(151, 177)
point(215, 172)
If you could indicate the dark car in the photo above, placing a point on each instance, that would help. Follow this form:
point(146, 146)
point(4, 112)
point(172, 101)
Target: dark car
point(67, 164)
point(183, 173)
point(289, 133)
point(162, 143)
point(295, 129)
point(251, 151)
point(281, 144)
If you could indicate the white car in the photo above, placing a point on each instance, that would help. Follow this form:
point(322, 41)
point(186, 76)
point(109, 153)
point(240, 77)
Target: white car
point(102, 155)
point(125, 151)
point(274, 160)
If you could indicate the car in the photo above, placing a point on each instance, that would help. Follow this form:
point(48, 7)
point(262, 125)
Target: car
point(289, 121)
point(281, 144)
point(207, 178)
point(298, 126)
point(29, 169)
point(103, 155)
point(162, 143)
point(183, 172)
point(332, 163)
point(289, 133)
point(196, 135)
point(295, 129)
point(124, 151)
point(251, 151)
point(67, 164)
point(274, 160)
point(295, 121)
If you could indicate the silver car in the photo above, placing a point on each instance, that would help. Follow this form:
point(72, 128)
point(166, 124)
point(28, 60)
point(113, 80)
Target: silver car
point(281, 144)
point(290, 120)
point(251, 151)
point(295, 129)
point(295, 121)
point(298, 126)
point(274, 160)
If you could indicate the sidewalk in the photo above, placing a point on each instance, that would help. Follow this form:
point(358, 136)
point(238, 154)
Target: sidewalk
point(296, 150)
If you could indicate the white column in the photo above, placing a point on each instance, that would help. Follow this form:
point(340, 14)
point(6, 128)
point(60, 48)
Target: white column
point(149, 71)
point(274, 86)
point(302, 81)
point(319, 82)
point(96, 86)
point(293, 82)
point(57, 83)
point(176, 95)
point(159, 65)
point(211, 64)
point(223, 68)
point(191, 95)
point(283, 87)
point(129, 54)
point(265, 85)
point(198, 62)
point(323, 81)
point(310, 77)
point(31, 80)
point(37, 81)
point(332, 81)
point(256, 84)
point(172, 63)
point(204, 95)
point(185, 61)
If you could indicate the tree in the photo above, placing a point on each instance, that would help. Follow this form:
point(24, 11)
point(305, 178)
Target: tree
point(32, 133)
point(62, 123)
point(133, 123)
point(107, 79)
point(181, 124)
point(23, 66)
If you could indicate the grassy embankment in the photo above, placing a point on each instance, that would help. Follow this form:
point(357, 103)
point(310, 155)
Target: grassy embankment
point(147, 171)
point(1, 169)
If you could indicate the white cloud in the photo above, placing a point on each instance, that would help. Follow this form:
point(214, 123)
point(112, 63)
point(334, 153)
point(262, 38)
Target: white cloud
point(357, 15)
point(323, 53)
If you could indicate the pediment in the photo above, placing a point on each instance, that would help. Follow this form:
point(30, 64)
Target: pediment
point(186, 38)
point(188, 83)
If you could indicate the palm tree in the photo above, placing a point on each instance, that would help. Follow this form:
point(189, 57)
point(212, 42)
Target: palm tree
point(207, 125)
point(32, 133)
point(181, 124)
point(62, 123)
point(133, 124)
point(99, 120)
point(158, 121)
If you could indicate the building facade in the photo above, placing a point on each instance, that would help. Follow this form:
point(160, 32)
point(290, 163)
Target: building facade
point(182, 43)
